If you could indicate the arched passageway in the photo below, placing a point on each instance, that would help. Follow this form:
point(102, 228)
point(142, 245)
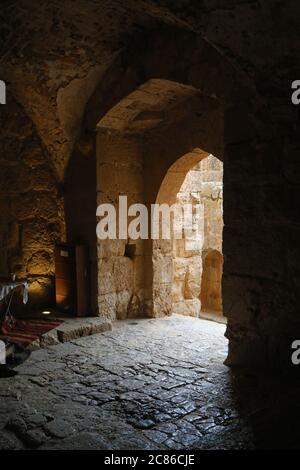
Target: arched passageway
point(155, 52)
point(139, 145)
point(138, 140)
point(190, 281)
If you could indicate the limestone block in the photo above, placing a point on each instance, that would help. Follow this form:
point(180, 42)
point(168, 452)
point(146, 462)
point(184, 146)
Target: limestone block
point(188, 273)
point(34, 346)
point(106, 279)
point(163, 246)
point(39, 234)
point(108, 305)
point(178, 290)
point(213, 176)
point(76, 328)
point(192, 182)
point(187, 307)
point(123, 274)
point(134, 307)
point(49, 339)
point(123, 299)
point(110, 248)
point(162, 299)
point(192, 289)
point(180, 267)
point(179, 248)
point(40, 263)
point(162, 269)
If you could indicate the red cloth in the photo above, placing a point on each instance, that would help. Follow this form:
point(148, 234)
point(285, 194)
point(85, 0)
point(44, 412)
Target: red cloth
point(27, 331)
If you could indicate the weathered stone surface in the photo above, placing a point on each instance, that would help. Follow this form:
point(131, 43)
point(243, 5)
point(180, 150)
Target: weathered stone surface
point(189, 266)
point(31, 217)
point(75, 328)
point(49, 339)
point(148, 384)
point(187, 307)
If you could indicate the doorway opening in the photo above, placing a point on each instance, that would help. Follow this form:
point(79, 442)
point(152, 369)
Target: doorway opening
point(196, 269)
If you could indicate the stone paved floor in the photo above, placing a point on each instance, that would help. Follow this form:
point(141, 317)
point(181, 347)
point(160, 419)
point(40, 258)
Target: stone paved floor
point(148, 384)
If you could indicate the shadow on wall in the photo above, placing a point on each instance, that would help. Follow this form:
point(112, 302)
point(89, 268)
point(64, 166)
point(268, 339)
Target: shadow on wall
point(80, 210)
point(263, 402)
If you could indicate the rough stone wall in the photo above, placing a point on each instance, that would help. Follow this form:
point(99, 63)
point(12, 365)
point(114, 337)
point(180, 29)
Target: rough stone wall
point(120, 262)
point(203, 185)
point(31, 211)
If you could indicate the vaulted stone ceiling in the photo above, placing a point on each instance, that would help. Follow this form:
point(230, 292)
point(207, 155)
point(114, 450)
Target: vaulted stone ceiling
point(53, 54)
point(149, 106)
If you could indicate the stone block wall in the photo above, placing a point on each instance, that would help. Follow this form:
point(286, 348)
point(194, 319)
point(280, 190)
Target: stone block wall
point(192, 283)
point(121, 284)
point(31, 208)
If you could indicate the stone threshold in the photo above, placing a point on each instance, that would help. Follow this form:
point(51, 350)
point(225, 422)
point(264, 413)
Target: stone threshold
point(70, 329)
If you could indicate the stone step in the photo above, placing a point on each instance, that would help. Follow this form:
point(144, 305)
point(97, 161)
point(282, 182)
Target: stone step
point(71, 329)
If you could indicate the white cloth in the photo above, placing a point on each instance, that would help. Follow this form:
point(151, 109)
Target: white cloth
point(7, 287)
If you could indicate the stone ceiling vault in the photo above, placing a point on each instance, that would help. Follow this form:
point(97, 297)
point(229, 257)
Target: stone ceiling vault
point(148, 107)
point(96, 53)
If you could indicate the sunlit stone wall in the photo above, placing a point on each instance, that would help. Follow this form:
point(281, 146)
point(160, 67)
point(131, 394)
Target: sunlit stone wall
point(203, 185)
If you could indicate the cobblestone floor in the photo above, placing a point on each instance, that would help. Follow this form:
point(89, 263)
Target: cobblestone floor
point(148, 384)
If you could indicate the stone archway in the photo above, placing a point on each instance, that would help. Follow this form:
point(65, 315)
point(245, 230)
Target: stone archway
point(193, 276)
point(223, 101)
point(178, 266)
point(138, 140)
